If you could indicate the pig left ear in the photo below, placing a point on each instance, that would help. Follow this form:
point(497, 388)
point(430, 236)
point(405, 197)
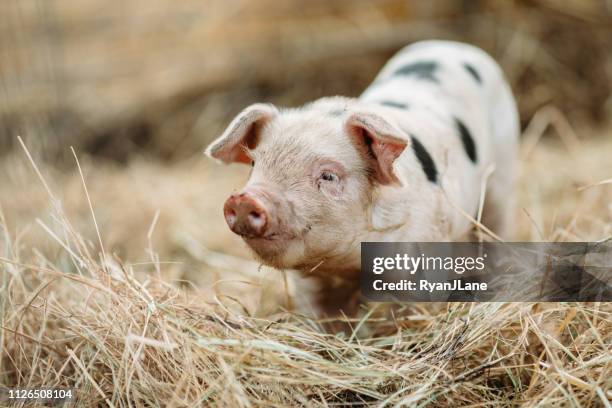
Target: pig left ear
point(242, 134)
point(379, 141)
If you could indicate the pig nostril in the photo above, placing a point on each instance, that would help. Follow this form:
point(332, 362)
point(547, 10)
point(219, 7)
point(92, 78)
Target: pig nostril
point(256, 219)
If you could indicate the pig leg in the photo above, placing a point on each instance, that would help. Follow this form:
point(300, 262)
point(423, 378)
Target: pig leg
point(338, 297)
point(328, 298)
point(499, 208)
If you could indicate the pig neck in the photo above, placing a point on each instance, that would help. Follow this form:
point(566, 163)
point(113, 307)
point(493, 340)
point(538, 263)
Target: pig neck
point(400, 214)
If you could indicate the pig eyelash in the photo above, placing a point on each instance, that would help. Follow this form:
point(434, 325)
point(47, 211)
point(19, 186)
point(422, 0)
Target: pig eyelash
point(328, 176)
point(329, 179)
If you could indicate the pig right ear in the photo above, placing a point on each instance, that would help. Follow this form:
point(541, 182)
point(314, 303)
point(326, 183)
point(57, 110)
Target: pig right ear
point(380, 143)
point(242, 134)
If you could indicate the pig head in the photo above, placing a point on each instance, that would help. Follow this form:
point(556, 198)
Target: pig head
point(308, 202)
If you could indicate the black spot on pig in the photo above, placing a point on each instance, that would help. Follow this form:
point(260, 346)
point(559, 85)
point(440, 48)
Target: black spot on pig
point(467, 140)
point(473, 72)
point(393, 104)
point(423, 156)
point(423, 70)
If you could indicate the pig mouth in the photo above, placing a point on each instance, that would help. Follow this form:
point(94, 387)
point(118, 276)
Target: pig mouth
point(277, 236)
point(274, 237)
point(275, 241)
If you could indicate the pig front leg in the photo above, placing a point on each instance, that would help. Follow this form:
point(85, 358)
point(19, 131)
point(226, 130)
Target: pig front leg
point(337, 297)
point(328, 297)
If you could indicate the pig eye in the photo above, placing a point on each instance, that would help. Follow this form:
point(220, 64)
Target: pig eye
point(330, 183)
point(252, 163)
point(328, 176)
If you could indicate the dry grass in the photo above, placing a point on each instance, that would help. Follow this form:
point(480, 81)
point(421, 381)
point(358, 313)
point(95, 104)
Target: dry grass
point(155, 303)
point(122, 327)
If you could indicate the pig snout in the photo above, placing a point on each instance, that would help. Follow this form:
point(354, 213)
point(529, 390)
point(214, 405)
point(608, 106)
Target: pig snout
point(246, 215)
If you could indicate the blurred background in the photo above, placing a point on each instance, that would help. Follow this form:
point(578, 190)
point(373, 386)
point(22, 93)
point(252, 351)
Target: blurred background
point(161, 78)
point(140, 87)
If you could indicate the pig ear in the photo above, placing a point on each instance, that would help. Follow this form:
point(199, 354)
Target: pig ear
point(242, 134)
point(379, 141)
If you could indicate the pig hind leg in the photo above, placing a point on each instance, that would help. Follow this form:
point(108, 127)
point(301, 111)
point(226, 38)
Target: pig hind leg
point(500, 201)
point(499, 205)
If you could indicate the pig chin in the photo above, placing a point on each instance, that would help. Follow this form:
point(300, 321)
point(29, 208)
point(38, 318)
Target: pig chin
point(278, 253)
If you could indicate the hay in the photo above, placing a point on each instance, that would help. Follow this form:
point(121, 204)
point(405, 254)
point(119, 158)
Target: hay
point(127, 333)
point(157, 304)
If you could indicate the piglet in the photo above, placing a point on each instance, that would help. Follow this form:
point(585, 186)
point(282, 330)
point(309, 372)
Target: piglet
point(406, 161)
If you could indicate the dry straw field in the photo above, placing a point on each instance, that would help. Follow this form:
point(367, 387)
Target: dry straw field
point(118, 276)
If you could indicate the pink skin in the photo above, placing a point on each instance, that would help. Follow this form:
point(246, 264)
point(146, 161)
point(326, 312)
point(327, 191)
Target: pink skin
point(264, 215)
